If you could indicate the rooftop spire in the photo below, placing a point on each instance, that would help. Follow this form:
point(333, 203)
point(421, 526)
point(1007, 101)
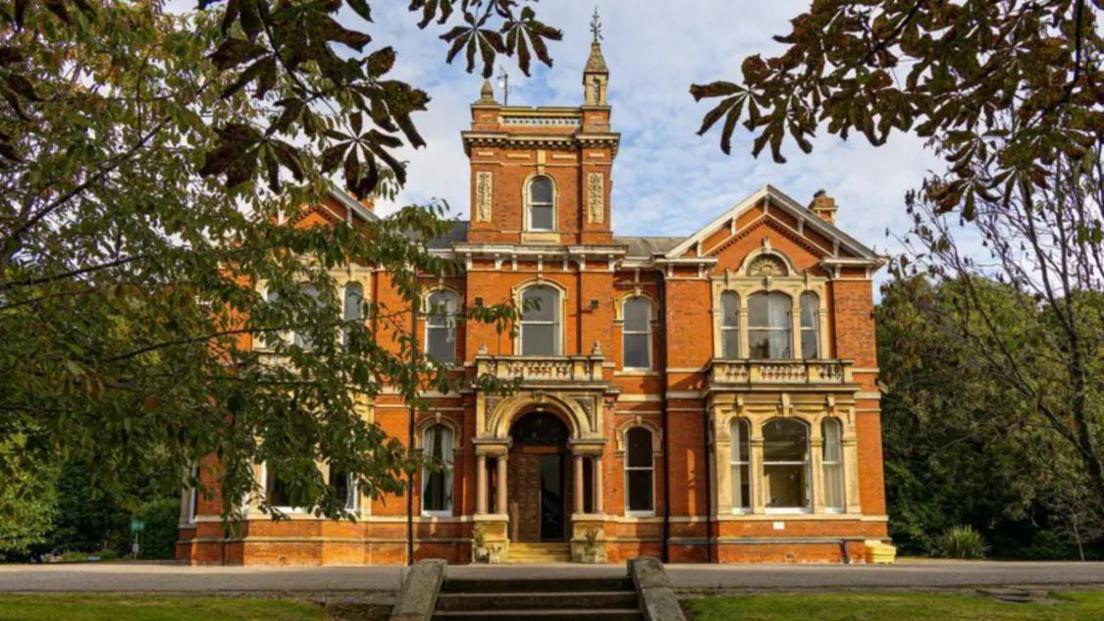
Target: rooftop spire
point(596, 63)
point(595, 73)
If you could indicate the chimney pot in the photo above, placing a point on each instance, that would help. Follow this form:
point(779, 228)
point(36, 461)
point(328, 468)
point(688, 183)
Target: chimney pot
point(824, 206)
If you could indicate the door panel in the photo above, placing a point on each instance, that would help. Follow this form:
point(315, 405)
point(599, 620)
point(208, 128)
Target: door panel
point(525, 491)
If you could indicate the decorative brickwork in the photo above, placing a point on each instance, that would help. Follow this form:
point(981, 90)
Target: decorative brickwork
point(746, 428)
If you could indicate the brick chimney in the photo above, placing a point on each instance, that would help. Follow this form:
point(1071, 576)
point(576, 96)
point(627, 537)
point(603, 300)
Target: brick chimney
point(824, 206)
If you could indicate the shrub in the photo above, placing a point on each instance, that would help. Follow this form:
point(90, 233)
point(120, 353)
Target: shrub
point(961, 542)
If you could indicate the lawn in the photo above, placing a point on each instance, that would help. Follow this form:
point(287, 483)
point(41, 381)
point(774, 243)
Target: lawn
point(72, 607)
point(1081, 606)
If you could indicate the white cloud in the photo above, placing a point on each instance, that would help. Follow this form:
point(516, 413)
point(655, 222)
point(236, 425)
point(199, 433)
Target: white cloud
point(667, 180)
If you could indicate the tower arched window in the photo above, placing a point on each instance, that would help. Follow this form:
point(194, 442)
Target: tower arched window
point(810, 325)
point(542, 208)
point(730, 325)
point(441, 326)
point(540, 321)
point(786, 464)
point(637, 333)
point(770, 325)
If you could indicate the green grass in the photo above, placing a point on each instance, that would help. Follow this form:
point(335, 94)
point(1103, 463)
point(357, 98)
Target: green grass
point(74, 607)
point(1081, 606)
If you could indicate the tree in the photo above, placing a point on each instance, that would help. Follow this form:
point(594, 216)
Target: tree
point(150, 165)
point(942, 70)
point(960, 447)
point(28, 499)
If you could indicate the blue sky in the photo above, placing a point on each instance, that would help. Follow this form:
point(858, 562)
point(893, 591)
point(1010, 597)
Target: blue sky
point(667, 180)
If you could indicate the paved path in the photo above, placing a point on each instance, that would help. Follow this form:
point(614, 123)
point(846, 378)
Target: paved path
point(905, 575)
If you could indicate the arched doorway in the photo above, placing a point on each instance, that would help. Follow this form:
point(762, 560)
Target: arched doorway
point(538, 481)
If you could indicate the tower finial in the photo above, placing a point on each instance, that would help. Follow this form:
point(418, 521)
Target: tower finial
point(486, 93)
point(596, 25)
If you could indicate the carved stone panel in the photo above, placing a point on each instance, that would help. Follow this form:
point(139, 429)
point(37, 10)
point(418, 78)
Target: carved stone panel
point(596, 197)
point(484, 196)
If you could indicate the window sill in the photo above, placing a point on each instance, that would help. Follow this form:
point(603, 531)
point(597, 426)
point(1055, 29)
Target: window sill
point(640, 514)
point(789, 511)
point(635, 372)
point(437, 514)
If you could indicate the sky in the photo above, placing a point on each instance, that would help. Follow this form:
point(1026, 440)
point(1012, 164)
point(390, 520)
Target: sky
point(667, 180)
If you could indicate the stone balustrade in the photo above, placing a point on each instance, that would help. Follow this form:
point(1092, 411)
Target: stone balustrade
point(552, 369)
point(753, 372)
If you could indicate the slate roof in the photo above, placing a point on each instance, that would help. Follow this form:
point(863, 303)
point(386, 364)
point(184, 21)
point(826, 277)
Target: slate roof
point(647, 247)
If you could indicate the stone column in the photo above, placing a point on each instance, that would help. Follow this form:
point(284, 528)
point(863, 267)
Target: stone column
point(579, 488)
point(852, 502)
point(722, 452)
point(795, 325)
point(500, 491)
point(481, 484)
point(816, 464)
point(599, 507)
point(745, 348)
point(755, 467)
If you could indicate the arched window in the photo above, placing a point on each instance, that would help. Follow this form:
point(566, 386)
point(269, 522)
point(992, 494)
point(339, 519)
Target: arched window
point(441, 326)
point(352, 311)
point(437, 473)
point(542, 210)
point(540, 321)
point(832, 431)
point(637, 333)
point(786, 464)
point(810, 325)
point(770, 325)
point(639, 471)
point(730, 325)
point(740, 462)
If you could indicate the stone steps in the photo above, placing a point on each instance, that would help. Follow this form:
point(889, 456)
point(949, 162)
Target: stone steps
point(476, 599)
point(539, 553)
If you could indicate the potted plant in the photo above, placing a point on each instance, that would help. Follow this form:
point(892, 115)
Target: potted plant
point(590, 545)
point(480, 552)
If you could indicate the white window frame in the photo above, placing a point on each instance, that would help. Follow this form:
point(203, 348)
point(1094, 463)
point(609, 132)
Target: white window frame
point(650, 468)
point(841, 483)
point(193, 496)
point(808, 491)
point(345, 317)
point(625, 331)
point(450, 318)
point(734, 328)
point(280, 508)
point(738, 460)
point(529, 204)
point(814, 329)
point(449, 472)
point(787, 328)
point(556, 321)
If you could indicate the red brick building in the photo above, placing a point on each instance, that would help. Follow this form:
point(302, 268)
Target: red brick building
point(703, 399)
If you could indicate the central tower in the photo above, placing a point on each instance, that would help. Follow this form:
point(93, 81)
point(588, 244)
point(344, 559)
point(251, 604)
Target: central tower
point(542, 175)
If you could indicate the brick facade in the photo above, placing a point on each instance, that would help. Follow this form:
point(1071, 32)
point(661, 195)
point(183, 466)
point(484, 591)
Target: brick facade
point(801, 427)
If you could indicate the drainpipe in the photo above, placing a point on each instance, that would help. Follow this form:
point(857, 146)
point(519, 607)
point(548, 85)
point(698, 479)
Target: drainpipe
point(709, 461)
point(663, 421)
point(411, 411)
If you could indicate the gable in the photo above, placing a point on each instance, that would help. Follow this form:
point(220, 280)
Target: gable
point(786, 217)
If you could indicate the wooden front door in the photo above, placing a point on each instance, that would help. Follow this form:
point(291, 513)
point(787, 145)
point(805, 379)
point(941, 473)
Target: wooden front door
point(538, 490)
point(538, 494)
point(525, 493)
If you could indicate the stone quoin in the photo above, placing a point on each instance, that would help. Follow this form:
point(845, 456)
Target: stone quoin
point(710, 398)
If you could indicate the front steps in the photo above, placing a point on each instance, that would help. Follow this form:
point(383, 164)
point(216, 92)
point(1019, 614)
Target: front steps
point(503, 599)
point(539, 553)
